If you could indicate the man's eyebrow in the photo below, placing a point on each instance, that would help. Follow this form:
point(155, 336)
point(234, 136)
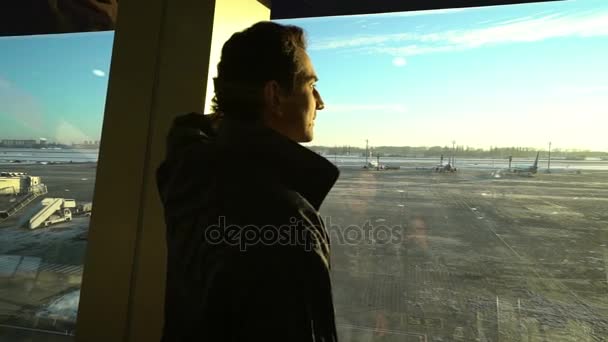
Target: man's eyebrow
point(311, 77)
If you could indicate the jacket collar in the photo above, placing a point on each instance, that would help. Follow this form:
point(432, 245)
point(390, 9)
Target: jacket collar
point(294, 165)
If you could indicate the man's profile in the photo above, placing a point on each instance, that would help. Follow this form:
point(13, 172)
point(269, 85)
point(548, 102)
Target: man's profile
point(247, 252)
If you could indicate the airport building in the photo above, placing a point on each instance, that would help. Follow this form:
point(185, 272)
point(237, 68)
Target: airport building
point(87, 144)
point(18, 143)
point(12, 183)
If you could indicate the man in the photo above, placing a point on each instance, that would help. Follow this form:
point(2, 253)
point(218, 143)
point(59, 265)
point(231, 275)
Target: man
point(248, 253)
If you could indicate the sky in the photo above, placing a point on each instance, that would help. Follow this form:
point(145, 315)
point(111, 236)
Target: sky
point(516, 75)
point(54, 86)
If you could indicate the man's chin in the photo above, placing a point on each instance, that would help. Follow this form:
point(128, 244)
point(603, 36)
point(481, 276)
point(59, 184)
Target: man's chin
point(304, 140)
point(308, 137)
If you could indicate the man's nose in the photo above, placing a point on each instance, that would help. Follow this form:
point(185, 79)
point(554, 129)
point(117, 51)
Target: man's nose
point(320, 103)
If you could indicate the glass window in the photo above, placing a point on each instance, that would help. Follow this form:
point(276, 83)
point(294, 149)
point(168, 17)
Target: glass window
point(52, 98)
point(472, 199)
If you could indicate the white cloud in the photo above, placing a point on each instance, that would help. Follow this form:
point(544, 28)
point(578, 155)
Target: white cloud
point(525, 29)
point(399, 61)
point(510, 21)
point(418, 13)
point(98, 73)
point(485, 22)
point(412, 50)
point(345, 108)
point(332, 43)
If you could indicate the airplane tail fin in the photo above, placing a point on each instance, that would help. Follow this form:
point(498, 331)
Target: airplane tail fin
point(536, 160)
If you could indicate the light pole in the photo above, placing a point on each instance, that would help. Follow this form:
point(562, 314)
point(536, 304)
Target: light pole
point(453, 153)
point(549, 162)
point(336, 154)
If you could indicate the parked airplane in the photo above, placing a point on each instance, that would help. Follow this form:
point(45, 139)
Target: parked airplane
point(521, 171)
point(530, 169)
point(372, 164)
point(449, 167)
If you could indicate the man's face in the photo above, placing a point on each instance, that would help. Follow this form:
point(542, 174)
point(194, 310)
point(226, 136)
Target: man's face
point(299, 109)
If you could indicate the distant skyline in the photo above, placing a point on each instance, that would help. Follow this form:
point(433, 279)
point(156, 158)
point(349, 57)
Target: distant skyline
point(516, 75)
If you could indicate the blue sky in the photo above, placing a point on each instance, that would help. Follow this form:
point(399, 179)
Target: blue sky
point(54, 86)
point(519, 75)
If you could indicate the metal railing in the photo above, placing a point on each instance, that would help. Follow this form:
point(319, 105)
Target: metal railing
point(35, 191)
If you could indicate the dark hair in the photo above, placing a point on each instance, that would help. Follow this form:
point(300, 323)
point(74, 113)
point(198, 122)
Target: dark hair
point(263, 52)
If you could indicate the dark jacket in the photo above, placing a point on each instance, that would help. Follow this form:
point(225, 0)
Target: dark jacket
point(232, 285)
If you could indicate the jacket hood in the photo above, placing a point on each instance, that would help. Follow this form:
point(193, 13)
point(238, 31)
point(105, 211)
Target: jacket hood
point(200, 147)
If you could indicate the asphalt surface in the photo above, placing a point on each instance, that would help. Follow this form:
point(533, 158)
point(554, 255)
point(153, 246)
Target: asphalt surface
point(41, 269)
point(478, 258)
point(416, 256)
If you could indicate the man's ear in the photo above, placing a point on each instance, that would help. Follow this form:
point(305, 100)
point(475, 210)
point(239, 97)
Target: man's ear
point(272, 97)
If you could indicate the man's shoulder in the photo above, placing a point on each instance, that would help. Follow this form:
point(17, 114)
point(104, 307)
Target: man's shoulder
point(268, 197)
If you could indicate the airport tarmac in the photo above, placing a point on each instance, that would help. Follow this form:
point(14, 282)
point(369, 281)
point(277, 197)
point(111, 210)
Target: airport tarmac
point(471, 258)
point(41, 269)
point(445, 257)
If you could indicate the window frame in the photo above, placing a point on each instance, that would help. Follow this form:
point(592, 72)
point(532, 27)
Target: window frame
point(159, 69)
